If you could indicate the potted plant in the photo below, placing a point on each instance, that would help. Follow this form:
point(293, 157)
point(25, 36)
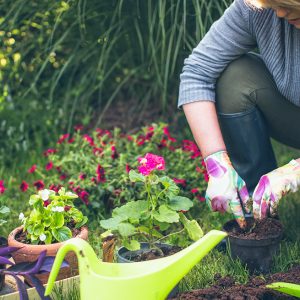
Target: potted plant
point(52, 220)
point(142, 224)
point(255, 245)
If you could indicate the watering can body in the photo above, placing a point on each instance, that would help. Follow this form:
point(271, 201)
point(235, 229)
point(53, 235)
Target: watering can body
point(147, 280)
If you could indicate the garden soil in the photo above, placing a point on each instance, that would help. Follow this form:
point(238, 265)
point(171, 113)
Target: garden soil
point(255, 230)
point(226, 289)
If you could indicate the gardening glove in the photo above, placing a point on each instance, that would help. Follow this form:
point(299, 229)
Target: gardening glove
point(226, 191)
point(272, 186)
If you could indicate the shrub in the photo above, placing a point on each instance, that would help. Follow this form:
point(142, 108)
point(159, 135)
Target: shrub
point(96, 166)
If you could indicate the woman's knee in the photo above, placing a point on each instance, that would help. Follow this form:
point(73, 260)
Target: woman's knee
point(236, 86)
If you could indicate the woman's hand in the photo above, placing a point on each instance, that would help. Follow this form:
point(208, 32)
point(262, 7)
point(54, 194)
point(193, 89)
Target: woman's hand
point(225, 188)
point(272, 186)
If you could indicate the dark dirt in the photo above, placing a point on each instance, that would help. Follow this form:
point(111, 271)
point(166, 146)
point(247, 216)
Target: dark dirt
point(256, 229)
point(21, 236)
point(154, 253)
point(226, 289)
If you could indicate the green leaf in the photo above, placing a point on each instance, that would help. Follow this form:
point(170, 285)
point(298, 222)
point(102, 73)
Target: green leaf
point(33, 199)
point(132, 245)
point(38, 229)
point(75, 214)
point(192, 227)
point(4, 210)
point(166, 215)
point(136, 177)
point(57, 220)
point(170, 185)
point(131, 210)
point(111, 223)
point(126, 229)
point(61, 234)
point(48, 239)
point(180, 203)
point(83, 221)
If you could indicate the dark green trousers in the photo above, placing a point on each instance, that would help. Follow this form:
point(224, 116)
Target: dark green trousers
point(246, 84)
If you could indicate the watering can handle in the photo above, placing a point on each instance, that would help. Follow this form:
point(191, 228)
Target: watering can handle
point(83, 251)
point(287, 288)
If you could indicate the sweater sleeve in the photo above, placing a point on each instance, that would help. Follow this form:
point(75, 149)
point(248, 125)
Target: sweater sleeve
point(227, 39)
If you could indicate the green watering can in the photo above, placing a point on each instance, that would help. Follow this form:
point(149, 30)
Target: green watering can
point(287, 288)
point(147, 280)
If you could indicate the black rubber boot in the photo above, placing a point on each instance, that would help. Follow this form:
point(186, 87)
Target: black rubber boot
point(248, 144)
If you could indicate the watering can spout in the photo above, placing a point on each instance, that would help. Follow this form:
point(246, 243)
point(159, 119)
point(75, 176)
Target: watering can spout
point(185, 260)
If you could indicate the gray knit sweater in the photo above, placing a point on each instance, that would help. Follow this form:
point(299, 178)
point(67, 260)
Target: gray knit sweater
point(238, 31)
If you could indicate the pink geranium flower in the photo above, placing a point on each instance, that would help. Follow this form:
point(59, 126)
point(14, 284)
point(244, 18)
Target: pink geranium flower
point(150, 162)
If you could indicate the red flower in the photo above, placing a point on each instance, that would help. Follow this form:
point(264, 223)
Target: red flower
point(82, 176)
point(100, 174)
point(197, 194)
point(63, 176)
point(182, 182)
point(39, 184)
point(167, 133)
point(49, 166)
point(68, 207)
point(2, 188)
point(128, 168)
point(89, 139)
point(70, 141)
point(97, 150)
point(114, 153)
point(141, 140)
point(32, 169)
point(190, 146)
point(84, 196)
point(78, 127)
point(24, 186)
point(55, 188)
point(46, 203)
point(150, 162)
point(63, 137)
point(49, 151)
point(129, 138)
point(102, 132)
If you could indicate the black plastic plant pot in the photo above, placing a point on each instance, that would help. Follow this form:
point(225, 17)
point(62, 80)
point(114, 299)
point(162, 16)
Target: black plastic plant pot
point(257, 254)
point(125, 256)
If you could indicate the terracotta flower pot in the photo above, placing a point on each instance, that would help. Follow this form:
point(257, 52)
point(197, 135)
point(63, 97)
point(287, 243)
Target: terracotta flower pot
point(30, 253)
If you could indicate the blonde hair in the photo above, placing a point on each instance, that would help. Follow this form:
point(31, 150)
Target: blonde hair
point(276, 3)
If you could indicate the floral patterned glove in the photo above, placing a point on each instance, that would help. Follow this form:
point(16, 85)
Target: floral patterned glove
point(225, 187)
point(272, 186)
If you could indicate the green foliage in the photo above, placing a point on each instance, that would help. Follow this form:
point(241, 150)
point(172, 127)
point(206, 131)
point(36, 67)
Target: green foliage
point(151, 219)
point(77, 56)
point(52, 215)
point(4, 211)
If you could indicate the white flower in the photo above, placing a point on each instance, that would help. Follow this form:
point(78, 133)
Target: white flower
point(57, 209)
point(21, 216)
point(44, 194)
point(42, 237)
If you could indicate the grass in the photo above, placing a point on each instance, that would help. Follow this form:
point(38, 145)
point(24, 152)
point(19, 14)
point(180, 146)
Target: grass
point(203, 274)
